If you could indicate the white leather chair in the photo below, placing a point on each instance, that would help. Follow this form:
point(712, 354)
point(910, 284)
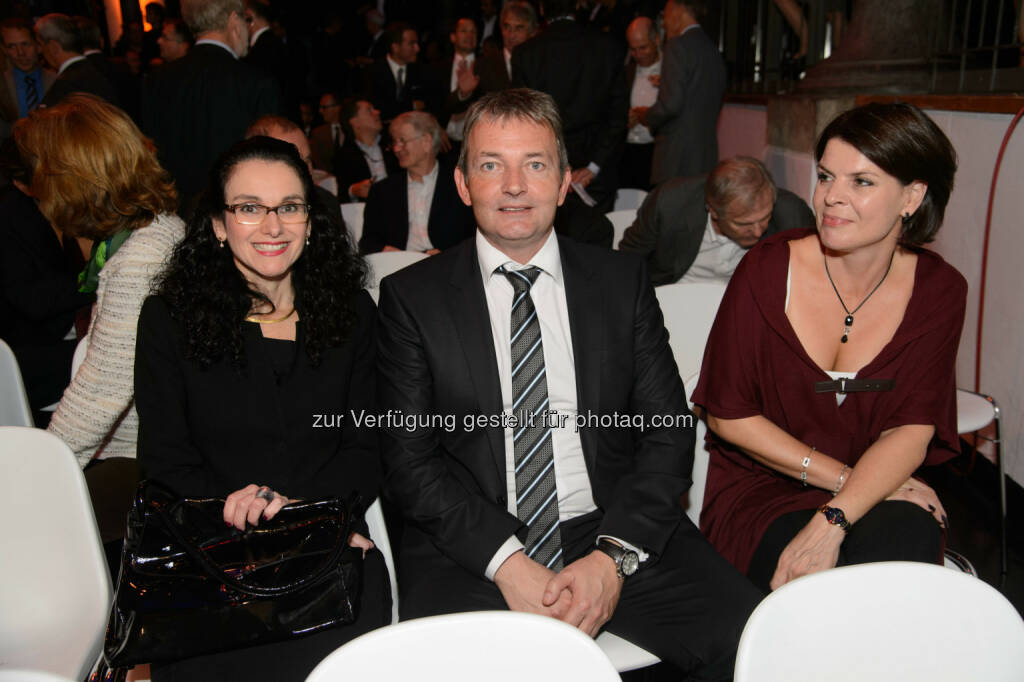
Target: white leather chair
point(888, 621)
point(629, 198)
point(384, 263)
point(352, 214)
point(621, 221)
point(54, 583)
point(379, 535)
point(975, 411)
point(31, 676)
point(689, 310)
point(497, 646)
point(14, 408)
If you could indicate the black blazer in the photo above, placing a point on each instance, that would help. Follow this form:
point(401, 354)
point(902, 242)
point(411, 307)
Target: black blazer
point(386, 218)
point(437, 358)
point(82, 76)
point(350, 166)
point(211, 432)
point(581, 68)
point(197, 106)
point(379, 86)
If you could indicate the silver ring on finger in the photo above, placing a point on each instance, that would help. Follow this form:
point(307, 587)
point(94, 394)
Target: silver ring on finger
point(267, 494)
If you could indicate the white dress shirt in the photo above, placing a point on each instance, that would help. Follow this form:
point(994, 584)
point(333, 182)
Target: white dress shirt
point(575, 496)
point(421, 196)
point(374, 159)
point(717, 258)
point(643, 94)
point(253, 37)
point(395, 68)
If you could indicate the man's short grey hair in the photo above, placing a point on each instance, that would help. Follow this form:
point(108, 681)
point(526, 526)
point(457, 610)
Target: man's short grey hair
point(60, 27)
point(203, 16)
point(424, 124)
point(520, 104)
point(742, 179)
point(523, 11)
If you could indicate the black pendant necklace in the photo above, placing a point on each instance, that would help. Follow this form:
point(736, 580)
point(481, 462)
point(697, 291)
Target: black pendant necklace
point(848, 322)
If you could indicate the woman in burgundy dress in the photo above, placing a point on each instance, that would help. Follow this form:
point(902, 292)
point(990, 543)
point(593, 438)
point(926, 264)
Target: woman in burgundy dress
point(828, 378)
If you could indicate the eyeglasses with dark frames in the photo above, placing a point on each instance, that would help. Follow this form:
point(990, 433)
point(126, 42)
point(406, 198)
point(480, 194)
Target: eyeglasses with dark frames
point(253, 214)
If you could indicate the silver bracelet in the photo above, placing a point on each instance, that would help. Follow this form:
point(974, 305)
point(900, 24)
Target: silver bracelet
point(806, 463)
point(841, 481)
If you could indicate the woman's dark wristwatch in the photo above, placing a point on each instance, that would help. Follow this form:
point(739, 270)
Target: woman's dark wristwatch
point(835, 516)
point(626, 560)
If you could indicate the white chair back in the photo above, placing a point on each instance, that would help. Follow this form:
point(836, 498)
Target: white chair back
point(468, 647)
point(54, 583)
point(14, 408)
point(689, 310)
point(379, 535)
point(352, 214)
point(889, 621)
point(701, 459)
point(629, 198)
point(621, 221)
point(384, 263)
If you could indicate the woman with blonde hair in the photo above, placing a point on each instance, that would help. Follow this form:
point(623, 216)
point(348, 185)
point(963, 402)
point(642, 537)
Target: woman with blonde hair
point(96, 177)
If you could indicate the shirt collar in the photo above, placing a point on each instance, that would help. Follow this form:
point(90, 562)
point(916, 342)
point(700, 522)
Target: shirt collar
point(394, 66)
point(211, 41)
point(430, 177)
point(35, 73)
point(368, 147)
point(548, 259)
point(255, 36)
point(73, 60)
point(689, 28)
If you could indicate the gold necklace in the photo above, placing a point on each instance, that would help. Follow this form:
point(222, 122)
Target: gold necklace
point(250, 318)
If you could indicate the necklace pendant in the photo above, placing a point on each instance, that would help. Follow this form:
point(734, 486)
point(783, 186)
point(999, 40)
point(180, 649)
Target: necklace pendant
point(844, 339)
point(846, 329)
point(848, 321)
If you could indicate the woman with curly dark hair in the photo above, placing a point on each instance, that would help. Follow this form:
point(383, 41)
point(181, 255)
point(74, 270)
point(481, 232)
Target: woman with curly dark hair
point(251, 360)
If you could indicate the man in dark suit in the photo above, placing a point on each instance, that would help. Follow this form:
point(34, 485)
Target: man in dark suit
point(699, 228)
point(398, 82)
point(61, 46)
point(544, 475)
point(266, 51)
point(199, 105)
point(581, 69)
point(326, 138)
point(684, 118)
point(418, 209)
point(364, 157)
point(25, 81)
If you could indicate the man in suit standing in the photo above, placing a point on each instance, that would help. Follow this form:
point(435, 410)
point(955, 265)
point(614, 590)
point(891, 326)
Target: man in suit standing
point(198, 106)
point(25, 81)
point(643, 75)
point(398, 83)
point(327, 138)
point(459, 78)
point(684, 118)
point(536, 436)
point(266, 51)
point(419, 209)
point(61, 46)
point(581, 68)
point(698, 229)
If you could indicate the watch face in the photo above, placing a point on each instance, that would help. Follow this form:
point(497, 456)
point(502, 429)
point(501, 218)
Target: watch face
point(630, 563)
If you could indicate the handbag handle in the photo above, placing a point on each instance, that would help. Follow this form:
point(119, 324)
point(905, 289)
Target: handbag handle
point(215, 572)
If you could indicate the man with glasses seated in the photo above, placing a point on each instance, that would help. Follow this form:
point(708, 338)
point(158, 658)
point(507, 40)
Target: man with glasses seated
point(420, 209)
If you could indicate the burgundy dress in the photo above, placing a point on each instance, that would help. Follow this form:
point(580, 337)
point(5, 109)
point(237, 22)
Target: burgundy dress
point(754, 364)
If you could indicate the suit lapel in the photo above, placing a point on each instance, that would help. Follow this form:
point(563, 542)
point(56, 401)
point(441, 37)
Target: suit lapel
point(585, 300)
point(468, 308)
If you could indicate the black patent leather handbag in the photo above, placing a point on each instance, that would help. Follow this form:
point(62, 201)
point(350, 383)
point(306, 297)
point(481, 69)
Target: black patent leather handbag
point(190, 585)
